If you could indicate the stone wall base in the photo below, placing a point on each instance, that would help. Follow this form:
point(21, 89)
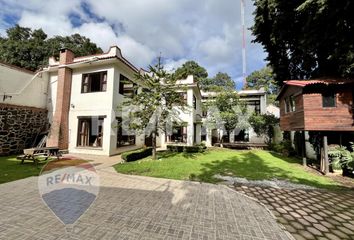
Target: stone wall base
point(19, 127)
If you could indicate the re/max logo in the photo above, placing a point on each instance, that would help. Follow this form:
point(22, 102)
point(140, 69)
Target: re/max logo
point(69, 178)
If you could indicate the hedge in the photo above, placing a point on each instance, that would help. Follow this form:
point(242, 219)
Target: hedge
point(187, 149)
point(136, 155)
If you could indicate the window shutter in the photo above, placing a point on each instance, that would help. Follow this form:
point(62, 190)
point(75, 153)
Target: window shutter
point(85, 84)
point(104, 81)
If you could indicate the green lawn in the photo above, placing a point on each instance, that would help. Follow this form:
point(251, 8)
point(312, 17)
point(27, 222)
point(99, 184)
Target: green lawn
point(11, 169)
point(253, 165)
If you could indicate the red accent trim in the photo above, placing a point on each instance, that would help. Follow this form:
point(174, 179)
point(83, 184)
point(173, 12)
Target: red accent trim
point(303, 83)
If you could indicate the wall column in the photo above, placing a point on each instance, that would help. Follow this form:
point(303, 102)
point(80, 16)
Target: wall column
point(325, 157)
point(59, 130)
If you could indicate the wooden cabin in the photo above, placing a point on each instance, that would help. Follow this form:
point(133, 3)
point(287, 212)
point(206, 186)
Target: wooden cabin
point(324, 106)
point(317, 105)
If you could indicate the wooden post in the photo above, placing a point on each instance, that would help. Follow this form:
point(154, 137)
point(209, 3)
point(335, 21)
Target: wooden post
point(325, 155)
point(304, 160)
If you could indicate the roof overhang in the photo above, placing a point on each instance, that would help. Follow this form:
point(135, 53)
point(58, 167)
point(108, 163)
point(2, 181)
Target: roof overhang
point(316, 85)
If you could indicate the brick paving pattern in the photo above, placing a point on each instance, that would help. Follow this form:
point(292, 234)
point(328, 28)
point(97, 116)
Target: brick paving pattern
point(309, 214)
point(132, 207)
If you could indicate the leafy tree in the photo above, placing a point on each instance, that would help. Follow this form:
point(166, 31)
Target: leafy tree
point(191, 68)
point(263, 78)
point(225, 112)
point(31, 49)
point(220, 82)
point(153, 108)
point(263, 125)
point(80, 45)
point(306, 38)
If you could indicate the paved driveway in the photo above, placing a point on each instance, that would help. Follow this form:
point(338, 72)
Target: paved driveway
point(309, 214)
point(132, 207)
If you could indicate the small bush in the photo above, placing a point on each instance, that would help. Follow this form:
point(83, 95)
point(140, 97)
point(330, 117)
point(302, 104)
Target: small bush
point(192, 149)
point(186, 149)
point(285, 148)
point(341, 158)
point(137, 154)
point(175, 148)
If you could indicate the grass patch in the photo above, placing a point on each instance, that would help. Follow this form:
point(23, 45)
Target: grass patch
point(253, 165)
point(11, 169)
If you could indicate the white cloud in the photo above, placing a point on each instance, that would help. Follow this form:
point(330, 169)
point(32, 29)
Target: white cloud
point(171, 65)
point(207, 31)
point(60, 25)
point(137, 52)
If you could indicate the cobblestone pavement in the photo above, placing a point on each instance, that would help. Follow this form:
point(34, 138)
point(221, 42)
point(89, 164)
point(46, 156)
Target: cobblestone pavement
point(309, 214)
point(132, 207)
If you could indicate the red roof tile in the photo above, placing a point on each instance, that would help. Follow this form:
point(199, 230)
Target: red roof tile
point(303, 83)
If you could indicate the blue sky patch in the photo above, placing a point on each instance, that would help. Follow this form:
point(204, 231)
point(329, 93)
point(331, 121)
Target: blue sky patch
point(10, 19)
point(75, 19)
point(87, 10)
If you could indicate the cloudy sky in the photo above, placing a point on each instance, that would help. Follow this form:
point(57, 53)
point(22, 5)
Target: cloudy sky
point(207, 31)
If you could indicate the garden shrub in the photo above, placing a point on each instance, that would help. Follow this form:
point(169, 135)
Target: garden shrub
point(137, 154)
point(285, 148)
point(187, 149)
point(341, 158)
point(175, 148)
point(192, 149)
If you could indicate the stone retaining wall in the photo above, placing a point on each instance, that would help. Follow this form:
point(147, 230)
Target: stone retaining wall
point(19, 126)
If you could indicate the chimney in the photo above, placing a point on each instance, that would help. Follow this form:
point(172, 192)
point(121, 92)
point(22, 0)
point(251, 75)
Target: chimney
point(66, 56)
point(59, 131)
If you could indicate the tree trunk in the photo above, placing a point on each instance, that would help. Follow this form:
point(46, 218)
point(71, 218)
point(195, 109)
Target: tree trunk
point(154, 145)
point(154, 139)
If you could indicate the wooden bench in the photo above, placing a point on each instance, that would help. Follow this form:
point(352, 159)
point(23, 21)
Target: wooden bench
point(33, 154)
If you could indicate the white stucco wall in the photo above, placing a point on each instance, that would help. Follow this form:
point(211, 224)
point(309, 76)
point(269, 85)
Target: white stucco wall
point(310, 151)
point(93, 104)
point(24, 87)
point(117, 104)
point(52, 94)
point(189, 115)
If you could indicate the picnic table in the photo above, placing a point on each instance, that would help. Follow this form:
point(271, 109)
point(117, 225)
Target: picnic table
point(33, 154)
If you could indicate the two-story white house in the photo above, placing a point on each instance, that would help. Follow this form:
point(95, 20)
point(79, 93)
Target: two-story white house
point(83, 98)
point(188, 129)
point(255, 101)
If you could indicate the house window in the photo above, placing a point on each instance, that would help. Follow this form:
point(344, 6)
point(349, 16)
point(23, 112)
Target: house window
point(194, 102)
point(90, 132)
point(179, 135)
point(328, 99)
point(290, 104)
point(254, 105)
point(183, 96)
point(203, 133)
point(124, 138)
point(94, 82)
point(241, 135)
point(126, 87)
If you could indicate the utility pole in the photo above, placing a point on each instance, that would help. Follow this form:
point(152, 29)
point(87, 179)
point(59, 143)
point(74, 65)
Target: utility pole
point(243, 42)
